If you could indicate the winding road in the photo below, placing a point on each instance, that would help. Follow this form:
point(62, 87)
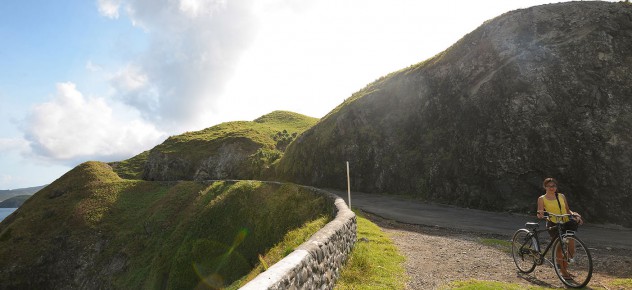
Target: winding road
point(414, 212)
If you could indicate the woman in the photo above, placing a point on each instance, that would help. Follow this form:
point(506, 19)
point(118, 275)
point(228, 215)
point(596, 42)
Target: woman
point(556, 203)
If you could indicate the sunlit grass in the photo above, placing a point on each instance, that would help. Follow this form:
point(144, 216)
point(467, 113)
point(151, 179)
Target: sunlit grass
point(622, 283)
point(375, 262)
point(260, 131)
point(474, 284)
point(487, 285)
point(131, 168)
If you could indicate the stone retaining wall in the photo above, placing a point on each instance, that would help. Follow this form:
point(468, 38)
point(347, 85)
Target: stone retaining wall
point(316, 263)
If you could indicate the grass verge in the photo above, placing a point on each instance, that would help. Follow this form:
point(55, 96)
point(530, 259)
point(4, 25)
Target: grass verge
point(375, 262)
point(622, 283)
point(487, 285)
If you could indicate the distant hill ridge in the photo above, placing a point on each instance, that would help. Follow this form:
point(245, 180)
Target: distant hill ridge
point(14, 202)
point(6, 194)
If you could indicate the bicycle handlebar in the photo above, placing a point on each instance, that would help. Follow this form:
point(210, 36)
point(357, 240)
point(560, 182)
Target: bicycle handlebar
point(548, 215)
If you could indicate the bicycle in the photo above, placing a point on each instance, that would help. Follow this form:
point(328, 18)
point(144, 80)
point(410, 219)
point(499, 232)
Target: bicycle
point(570, 253)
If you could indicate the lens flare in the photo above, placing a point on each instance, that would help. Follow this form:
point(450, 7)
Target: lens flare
point(210, 271)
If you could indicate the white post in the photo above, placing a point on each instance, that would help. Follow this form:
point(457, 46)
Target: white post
point(348, 185)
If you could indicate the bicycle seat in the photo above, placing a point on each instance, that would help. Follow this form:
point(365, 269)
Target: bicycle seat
point(532, 225)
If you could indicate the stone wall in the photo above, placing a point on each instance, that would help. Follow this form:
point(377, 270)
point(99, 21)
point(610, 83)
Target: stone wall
point(315, 264)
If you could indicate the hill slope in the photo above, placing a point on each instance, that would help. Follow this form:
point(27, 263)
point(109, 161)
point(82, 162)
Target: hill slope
point(90, 229)
point(537, 92)
point(232, 150)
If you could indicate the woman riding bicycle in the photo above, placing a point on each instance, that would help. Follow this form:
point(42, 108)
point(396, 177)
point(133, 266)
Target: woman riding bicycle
point(556, 203)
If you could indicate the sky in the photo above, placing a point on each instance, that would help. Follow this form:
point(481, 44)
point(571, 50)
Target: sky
point(107, 79)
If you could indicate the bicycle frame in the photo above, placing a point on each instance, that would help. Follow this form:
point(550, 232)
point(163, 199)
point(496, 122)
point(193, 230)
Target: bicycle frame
point(542, 254)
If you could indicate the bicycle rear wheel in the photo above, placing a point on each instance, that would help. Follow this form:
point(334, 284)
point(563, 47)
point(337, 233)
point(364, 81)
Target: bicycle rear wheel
point(575, 258)
point(523, 251)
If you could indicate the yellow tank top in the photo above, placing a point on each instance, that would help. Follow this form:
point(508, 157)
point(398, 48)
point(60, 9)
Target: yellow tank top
point(552, 207)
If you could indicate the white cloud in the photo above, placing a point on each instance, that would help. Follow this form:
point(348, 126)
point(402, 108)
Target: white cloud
point(193, 48)
point(195, 8)
point(92, 67)
point(130, 79)
point(109, 8)
point(5, 180)
point(13, 144)
point(73, 128)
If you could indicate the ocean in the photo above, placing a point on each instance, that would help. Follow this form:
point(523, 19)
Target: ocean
point(5, 212)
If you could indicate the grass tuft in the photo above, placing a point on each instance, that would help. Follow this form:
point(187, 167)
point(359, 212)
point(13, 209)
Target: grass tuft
point(375, 262)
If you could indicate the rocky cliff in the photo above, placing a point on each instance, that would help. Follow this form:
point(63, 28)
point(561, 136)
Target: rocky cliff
point(538, 92)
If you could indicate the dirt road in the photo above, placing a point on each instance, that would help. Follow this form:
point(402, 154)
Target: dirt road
point(436, 256)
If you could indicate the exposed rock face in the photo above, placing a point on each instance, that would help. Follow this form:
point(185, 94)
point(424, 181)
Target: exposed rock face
point(534, 93)
point(228, 159)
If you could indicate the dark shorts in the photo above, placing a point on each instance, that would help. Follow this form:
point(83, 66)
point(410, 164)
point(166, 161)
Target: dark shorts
point(567, 226)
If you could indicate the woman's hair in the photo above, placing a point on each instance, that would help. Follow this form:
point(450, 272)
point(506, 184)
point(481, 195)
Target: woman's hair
point(549, 180)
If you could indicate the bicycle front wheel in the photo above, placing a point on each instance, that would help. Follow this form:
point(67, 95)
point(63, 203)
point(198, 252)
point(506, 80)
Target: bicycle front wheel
point(523, 251)
point(572, 261)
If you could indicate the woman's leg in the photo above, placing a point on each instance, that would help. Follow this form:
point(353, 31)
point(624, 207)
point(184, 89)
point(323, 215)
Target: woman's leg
point(561, 261)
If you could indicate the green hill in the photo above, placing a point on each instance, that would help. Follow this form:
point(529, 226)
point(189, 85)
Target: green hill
point(93, 229)
point(232, 150)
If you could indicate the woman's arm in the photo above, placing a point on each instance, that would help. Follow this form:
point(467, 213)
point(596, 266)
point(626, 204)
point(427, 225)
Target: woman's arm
point(540, 213)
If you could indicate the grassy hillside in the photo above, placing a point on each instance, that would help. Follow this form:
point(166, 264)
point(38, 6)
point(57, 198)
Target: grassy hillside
point(232, 150)
point(131, 168)
point(93, 229)
point(264, 130)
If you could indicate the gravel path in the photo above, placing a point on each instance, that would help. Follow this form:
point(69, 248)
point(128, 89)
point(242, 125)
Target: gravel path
point(437, 256)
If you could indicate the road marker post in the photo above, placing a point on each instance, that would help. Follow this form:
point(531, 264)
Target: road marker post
point(348, 186)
